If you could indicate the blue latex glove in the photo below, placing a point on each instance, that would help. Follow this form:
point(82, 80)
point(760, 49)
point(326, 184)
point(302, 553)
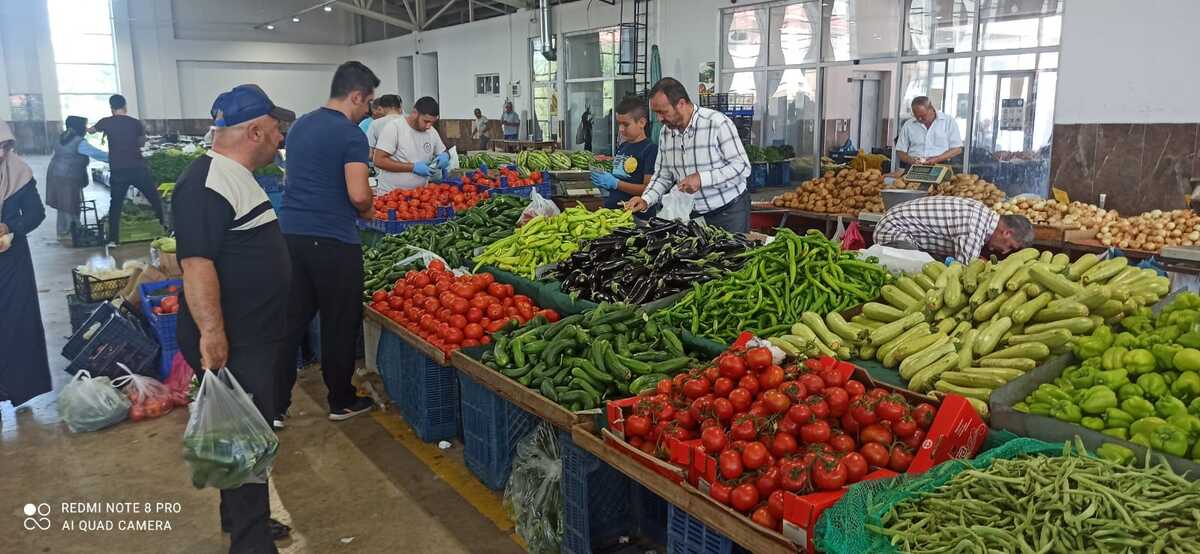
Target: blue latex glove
point(604, 180)
point(421, 168)
point(442, 161)
point(483, 167)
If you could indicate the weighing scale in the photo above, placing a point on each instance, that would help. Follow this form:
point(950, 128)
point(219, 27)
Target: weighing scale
point(928, 174)
point(1180, 253)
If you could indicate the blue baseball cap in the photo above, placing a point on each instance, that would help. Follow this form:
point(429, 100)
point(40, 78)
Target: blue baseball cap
point(246, 102)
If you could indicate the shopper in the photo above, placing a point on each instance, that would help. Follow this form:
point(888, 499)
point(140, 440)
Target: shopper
point(699, 152)
point(479, 129)
point(945, 226)
point(930, 137)
point(233, 256)
point(126, 136)
point(24, 367)
point(326, 190)
point(633, 164)
point(391, 108)
point(67, 174)
point(510, 122)
point(410, 148)
point(373, 113)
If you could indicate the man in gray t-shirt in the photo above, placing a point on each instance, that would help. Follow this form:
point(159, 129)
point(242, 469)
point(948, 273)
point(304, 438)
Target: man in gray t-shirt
point(510, 121)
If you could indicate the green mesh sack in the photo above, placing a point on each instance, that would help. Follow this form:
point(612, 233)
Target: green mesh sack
point(842, 528)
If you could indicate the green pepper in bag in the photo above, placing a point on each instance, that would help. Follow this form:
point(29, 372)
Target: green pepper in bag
point(1132, 390)
point(1168, 406)
point(1098, 399)
point(1115, 453)
point(1137, 361)
point(1118, 418)
point(1187, 385)
point(1113, 378)
point(1164, 354)
point(1138, 407)
point(1113, 357)
point(1169, 439)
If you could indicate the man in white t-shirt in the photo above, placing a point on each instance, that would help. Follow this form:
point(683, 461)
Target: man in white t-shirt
point(409, 148)
point(930, 137)
point(391, 108)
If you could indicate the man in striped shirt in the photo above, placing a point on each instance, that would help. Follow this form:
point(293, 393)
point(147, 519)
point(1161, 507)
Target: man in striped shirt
point(698, 151)
point(945, 226)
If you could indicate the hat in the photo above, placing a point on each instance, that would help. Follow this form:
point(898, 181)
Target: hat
point(246, 102)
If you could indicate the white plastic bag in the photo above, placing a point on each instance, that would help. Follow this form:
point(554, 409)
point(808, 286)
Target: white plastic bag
point(532, 497)
point(90, 404)
point(227, 442)
point(537, 206)
point(148, 397)
point(677, 206)
point(896, 259)
point(425, 257)
point(453, 151)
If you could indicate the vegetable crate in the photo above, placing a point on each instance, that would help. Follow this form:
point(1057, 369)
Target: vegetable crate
point(595, 499)
point(758, 176)
point(688, 535)
point(163, 325)
point(542, 189)
point(90, 289)
point(651, 514)
point(80, 310)
point(425, 391)
point(110, 338)
point(395, 227)
point(779, 174)
point(491, 428)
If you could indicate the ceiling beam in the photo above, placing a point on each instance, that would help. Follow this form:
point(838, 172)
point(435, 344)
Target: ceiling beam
point(439, 13)
point(497, 9)
point(408, 8)
point(375, 15)
point(519, 4)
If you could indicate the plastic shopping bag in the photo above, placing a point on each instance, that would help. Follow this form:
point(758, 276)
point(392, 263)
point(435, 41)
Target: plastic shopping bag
point(897, 259)
point(538, 206)
point(677, 206)
point(148, 398)
point(227, 442)
point(532, 497)
point(88, 404)
point(852, 239)
point(180, 380)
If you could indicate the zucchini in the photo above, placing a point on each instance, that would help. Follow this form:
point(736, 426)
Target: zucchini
point(788, 348)
point(970, 276)
point(1006, 373)
point(1045, 257)
point(869, 323)
point(952, 295)
point(892, 330)
point(1127, 275)
point(966, 348)
point(1063, 310)
point(1019, 278)
point(1081, 265)
point(916, 362)
point(1092, 296)
point(1059, 262)
point(1026, 311)
point(921, 330)
point(1032, 350)
point(910, 287)
point(960, 329)
point(964, 379)
point(881, 312)
point(1110, 308)
point(1104, 270)
point(978, 297)
point(989, 336)
point(844, 329)
point(1019, 364)
point(946, 325)
point(933, 269)
point(897, 298)
point(1055, 282)
point(988, 309)
point(923, 378)
point(912, 346)
point(866, 352)
point(1053, 338)
point(1009, 306)
point(814, 322)
point(803, 331)
point(933, 299)
point(1033, 290)
point(1076, 325)
point(977, 393)
point(924, 281)
point(1004, 271)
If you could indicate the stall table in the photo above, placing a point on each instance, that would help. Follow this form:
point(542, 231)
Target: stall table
point(513, 146)
point(524, 397)
point(407, 336)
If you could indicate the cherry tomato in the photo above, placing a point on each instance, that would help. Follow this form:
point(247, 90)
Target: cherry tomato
point(904, 427)
point(731, 366)
point(875, 432)
point(729, 462)
point(817, 431)
point(695, 388)
point(816, 403)
point(722, 386)
point(849, 424)
point(771, 377)
point(768, 482)
point(800, 413)
point(714, 440)
point(829, 475)
point(741, 399)
point(379, 296)
point(744, 497)
point(812, 383)
point(723, 408)
point(663, 387)
point(758, 359)
point(914, 442)
point(863, 411)
point(749, 383)
point(637, 426)
point(875, 453)
point(794, 390)
point(842, 442)
point(832, 377)
point(786, 425)
point(720, 492)
point(775, 504)
point(901, 458)
point(783, 445)
point(924, 414)
point(754, 456)
point(890, 408)
point(763, 517)
point(793, 476)
point(776, 402)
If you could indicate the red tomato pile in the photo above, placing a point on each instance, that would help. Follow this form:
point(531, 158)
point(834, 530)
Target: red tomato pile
point(422, 202)
point(800, 429)
point(514, 179)
point(451, 311)
point(168, 305)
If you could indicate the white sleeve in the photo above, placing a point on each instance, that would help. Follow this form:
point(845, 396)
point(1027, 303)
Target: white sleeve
point(902, 140)
point(953, 138)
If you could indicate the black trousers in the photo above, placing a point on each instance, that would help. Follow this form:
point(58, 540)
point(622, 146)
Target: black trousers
point(118, 185)
point(733, 217)
point(327, 280)
point(246, 510)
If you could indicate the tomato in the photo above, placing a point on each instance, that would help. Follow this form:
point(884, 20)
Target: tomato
point(890, 408)
point(856, 467)
point(550, 315)
point(904, 427)
point(901, 458)
point(775, 401)
point(729, 463)
point(841, 442)
point(713, 439)
point(832, 377)
point(474, 315)
point(863, 411)
point(786, 425)
point(720, 492)
point(454, 336)
point(768, 482)
point(875, 432)
point(750, 383)
point(722, 386)
point(485, 340)
point(700, 407)
point(849, 424)
point(637, 426)
point(757, 409)
point(754, 456)
point(744, 497)
point(486, 278)
point(685, 419)
point(771, 377)
point(924, 414)
point(783, 445)
point(794, 390)
point(663, 387)
point(473, 331)
point(816, 403)
point(457, 321)
point(711, 373)
point(775, 504)
point(758, 359)
point(731, 366)
point(496, 289)
point(829, 475)
point(800, 413)
point(875, 453)
point(695, 388)
point(878, 393)
point(793, 476)
point(495, 311)
point(838, 400)
point(817, 431)
point(379, 296)
point(722, 407)
point(812, 383)
point(914, 442)
point(741, 399)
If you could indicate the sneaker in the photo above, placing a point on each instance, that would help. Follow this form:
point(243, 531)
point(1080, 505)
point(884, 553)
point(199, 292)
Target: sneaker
point(278, 424)
point(360, 406)
point(279, 531)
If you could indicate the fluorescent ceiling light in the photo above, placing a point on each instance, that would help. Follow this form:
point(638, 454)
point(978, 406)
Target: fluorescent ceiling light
point(270, 27)
point(328, 8)
point(295, 19)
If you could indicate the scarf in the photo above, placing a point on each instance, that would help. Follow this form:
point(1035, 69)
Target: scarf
point(14, 172)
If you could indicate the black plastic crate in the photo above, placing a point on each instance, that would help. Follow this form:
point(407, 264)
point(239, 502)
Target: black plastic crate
point(80, 311)
point(100, 344)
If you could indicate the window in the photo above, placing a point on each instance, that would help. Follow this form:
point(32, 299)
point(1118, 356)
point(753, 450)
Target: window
point(939, 26)
point(85, 59)
point(487, 85)
point(1007, 24)
point(544, 100)
point(593, 89)
point(862, 29)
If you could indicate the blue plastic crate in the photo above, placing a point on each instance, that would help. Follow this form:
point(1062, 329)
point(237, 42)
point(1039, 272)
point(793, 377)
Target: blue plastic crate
point(779, 174)
point(758, 176)
point(163, 326)
point(444, 214)
point(491, 428)
point(688, 535)
point(595, 500)
point(650, 513)
point(542, 189)
point(425, 391)
point(116, 340)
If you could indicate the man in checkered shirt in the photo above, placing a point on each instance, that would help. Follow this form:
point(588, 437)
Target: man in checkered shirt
point(945, 226)
point(698, 151)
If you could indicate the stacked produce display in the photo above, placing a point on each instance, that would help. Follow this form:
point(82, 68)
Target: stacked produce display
point(546, 240)
point(966, 185)
point(846, 191)
point(529, 161)
point(1076, 215)
point(1152, 230)
point(422, 203)
point(769, 154)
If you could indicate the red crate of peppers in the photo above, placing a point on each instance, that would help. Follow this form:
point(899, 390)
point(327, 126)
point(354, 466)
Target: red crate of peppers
point(450, 311)
point(422, 203)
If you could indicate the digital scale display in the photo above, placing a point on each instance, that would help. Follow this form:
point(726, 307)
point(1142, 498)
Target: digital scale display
point(930, 174)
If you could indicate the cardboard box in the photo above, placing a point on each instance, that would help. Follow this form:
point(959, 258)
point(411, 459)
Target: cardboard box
point(681, 453)
point(801, 512)
point(168, 264)
point(957, 431)
point(131, 293)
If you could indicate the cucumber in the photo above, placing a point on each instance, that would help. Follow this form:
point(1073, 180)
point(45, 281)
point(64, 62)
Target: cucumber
point(1064, 310)
point(881, 312)
point(924, 377)
point(964, 379)
point(646, 382)
point(1009, 306)
point(1020, 364)
point(892, 330)
point(897, 298)
point(1031, 350)
point(1081, 265)
point(1076, 325)
point(990, 335)
point(1055, 282)
point(916, 362)
point(1053, 338)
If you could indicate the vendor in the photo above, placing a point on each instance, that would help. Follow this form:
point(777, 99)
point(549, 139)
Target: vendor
point(699, 152)
point(633, 164)
point(390, 107)
point(929, 137)
point(409, 148)
point(510, 122)
point(949, 226)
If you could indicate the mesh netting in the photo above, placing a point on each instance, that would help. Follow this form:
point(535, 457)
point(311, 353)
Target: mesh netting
point(842, 528)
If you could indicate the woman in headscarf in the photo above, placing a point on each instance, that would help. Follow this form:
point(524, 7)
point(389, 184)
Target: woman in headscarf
point(67, 175)
point(24, 367)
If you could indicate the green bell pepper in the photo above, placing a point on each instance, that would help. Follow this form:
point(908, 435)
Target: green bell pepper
point(1118, 432)
point(1182, 318)
point(1116, 417)
point(1194, 407)
point(1065, 410)
point(1164, 354)
point(1130, 391)
point(1140, 438)
point(1162, 335)
point(1098, 399)
point(1115, 453)
point(1039, 408)
point(1187, 385)
point(1113, 378)
point(1125, 339)
point(1169, 377)
point(1021, 407)
point(1137, 361)
point(1189, 423)
point(1146, 425)
point(1153, 384)
point(1169, 439)
point(1114, 357)
point(1139, 324)
point(1187, 359)
point(1093, 423)
point(1168, 406)
point(1137, 407)
point(1081, 377)
point(1048, 394)
point(1094, 345)
point(1196, 452)
point(1190, 339)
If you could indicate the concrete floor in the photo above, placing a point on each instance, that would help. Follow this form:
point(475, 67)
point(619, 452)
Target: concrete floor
point(364, 485)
